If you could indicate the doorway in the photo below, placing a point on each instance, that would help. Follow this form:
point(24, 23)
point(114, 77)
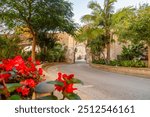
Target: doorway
point(80, 53)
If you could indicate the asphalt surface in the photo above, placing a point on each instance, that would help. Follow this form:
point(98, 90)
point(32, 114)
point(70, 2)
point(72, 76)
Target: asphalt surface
point(102, 85)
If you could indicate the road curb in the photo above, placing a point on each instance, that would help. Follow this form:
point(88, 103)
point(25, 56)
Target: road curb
point(139, 72)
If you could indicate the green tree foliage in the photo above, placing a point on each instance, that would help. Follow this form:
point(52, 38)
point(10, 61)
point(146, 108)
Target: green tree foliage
point(134, 25)
point(9, 47)
point(54, 52)
point(141, 25)
point(122, 19)
point(133, 51)
point(50, 49)
point(99, 22)
point(87, 33)
point(97, 46)
point(38, 16)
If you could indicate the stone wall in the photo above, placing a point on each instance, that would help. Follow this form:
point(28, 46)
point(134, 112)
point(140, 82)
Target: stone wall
point(68, 43)
point(116, 48)
point(80, 52)
point(88, 55)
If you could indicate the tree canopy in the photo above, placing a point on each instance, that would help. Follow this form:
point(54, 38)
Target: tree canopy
point(38, 16)
point(133, 24)
point(98, 24)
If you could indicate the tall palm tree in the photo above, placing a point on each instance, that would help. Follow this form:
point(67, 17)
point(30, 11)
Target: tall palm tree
point(101, 18)
point(133, 24)
point(107, 14)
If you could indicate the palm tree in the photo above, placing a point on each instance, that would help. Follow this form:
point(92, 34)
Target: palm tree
point(107, 14)
point(133, 25)
point(101, 18)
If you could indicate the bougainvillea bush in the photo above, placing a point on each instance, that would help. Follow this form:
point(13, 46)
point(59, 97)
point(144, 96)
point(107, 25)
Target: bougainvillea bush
point(18, 78)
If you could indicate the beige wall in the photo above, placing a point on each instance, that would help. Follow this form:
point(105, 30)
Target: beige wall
point(80, 51)
point(116, 48)
point(68, 42)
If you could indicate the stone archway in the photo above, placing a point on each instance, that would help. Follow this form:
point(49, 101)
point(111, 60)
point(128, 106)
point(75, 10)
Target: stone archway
point(80, 52)
point(74, 50)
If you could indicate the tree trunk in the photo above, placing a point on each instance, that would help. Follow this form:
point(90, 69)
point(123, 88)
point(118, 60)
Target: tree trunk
point(34, 37)
point(148, 56)
point(33, 47)
point(108, 44)
point(108, 52)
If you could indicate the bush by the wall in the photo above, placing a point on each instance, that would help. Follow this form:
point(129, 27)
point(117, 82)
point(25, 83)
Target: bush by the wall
point(133, 51)
point(9, 48)
point(55, 54)
point(125, 63)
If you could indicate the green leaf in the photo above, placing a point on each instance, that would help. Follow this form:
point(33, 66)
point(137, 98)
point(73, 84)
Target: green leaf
point(74, 81)
point(1, 91)
point(14, 97)
point(50, 97)
point(13, 86)
point(72, 96)
point(56, 83)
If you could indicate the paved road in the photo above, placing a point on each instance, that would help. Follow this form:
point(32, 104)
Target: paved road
point(105, 85)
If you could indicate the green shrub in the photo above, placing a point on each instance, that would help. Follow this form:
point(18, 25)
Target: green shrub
point(125, 63)
point(9, 48)
point(101, 61)
point(133, 63)
point(114, 63)
point(41, 56)
point(133, 51)
point(55, 54)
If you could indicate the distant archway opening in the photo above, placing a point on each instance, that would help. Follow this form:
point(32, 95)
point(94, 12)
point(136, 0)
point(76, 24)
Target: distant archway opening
point(80, 52)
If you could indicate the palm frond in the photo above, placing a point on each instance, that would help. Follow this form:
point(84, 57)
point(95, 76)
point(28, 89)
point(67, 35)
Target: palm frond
point(93, 5)
point(86, 18)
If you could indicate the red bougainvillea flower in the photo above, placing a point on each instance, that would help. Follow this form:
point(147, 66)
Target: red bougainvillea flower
point(34, 75)
point(9, 64)
point(37, 62)
point(59, 76)
point(24, 71)
point(19, 90)
point(58, 88)
point(29, 82)
point(69, 88)
point(29, 59)
point(70, 76)
point(32, 67)
point(67, 77)
point(5, 76)
point(23, 90)
point(18, 61)
point(1, 66)
point(40, 71)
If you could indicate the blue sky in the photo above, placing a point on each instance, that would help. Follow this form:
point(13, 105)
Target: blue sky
point(80, 6)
